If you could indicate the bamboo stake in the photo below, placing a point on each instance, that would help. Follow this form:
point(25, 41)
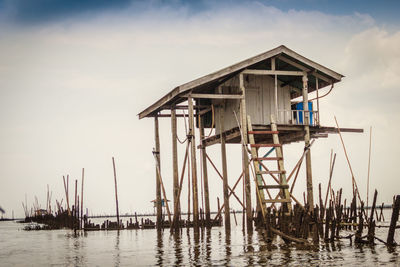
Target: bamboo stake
point(330, 179)
point(116, 192)
point(369, 162)
point(83, 177)
point(175, 221)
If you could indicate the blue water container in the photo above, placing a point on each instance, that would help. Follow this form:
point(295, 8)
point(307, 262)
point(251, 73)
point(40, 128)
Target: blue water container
point(299, 106)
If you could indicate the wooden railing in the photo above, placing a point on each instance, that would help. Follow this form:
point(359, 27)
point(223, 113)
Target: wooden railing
point(296, 117)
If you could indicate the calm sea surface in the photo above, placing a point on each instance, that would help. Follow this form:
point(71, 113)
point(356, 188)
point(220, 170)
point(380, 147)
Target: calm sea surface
point(149, 248)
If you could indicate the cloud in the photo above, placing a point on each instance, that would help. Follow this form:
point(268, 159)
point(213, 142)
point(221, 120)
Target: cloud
point(71, 89)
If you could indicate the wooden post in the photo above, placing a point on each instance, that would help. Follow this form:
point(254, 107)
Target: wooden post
point(316, 88)
point(395, 217)
point(224, 166)
point(369, 162)
point(158, 185)
point(175, 174)
point(83, 177)
point(194, 167)
point(205, 173)
point(310, 197)
point(245, 155)
point(116, 192)
point(76, 199)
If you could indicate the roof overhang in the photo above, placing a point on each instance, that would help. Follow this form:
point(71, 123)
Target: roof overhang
point(283, 55)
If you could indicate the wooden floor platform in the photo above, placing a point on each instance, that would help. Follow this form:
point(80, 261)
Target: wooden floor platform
point(288, 133)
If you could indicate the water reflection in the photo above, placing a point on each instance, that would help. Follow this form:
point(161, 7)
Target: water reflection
point(209, 247)
point(117, 251)
point(177, 238)
point(159, 248)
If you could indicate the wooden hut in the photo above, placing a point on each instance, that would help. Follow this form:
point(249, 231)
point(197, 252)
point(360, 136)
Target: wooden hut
point(259, 102)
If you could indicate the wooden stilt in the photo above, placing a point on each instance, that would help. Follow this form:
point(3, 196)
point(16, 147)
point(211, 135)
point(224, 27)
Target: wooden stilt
point(194, 167)
point(175, 162)
point(224, 167)
point(310, 198)
point(205, 173)
point(393, 222)
point(245, 157)
point(158, 185)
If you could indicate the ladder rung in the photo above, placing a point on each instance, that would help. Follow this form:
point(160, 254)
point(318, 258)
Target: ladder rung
point(269, 158)
point(263, 132)
point(276, 200)
point(275, 186)
point(270, 172)
point(265, 145)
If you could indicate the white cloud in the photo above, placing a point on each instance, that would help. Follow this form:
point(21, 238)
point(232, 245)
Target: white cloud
point(70, 92)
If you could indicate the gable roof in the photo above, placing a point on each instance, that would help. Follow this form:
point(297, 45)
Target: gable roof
point(293, 61)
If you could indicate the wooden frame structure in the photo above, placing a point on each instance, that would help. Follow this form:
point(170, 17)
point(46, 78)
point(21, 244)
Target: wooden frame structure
point(225, 100)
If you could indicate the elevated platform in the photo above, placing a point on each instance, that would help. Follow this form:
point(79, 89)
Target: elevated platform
point(288, 133)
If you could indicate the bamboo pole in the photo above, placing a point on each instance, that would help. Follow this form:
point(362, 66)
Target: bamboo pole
point(369, 163)
point(220, 176)
point(66, 195)
point(175, 221)
point(353, 179)
point(76, 199)
point(163, 191)
point(116, 192)
point(83, 177)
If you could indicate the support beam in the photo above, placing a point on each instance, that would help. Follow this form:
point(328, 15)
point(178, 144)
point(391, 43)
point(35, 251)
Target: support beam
point(175, 164)
point(205, 174)
point(245, 155)
point(224, 166)
point(216, 96)
point(194, 166)
point(273, 72)
point(310, 198)
point(158, 185)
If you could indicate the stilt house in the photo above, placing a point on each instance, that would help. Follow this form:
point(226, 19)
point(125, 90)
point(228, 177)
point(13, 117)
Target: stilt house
point(260, 102)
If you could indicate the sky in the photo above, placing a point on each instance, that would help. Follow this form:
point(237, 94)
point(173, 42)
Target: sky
point(75, 74)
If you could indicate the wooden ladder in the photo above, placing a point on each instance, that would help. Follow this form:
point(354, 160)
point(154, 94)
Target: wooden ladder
point(284, 196)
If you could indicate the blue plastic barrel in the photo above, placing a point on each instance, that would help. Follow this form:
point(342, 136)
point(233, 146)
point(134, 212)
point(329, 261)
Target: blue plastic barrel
point(299, 106)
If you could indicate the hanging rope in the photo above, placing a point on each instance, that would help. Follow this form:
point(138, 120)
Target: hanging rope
point(177, 138)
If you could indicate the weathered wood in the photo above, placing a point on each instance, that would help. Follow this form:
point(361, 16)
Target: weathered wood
point(116, 192)
point(221, 177)
point(175, 220)
point(163, 191)
point(371, 224)
point(83, 178)
point(369, 164)
point(310, 197)
point(175, 163)
point(245, 156)
point(393, 221)
point(288, 237)
point(216, 96)
point(205, 174)
point(184, 88)
point(158, 165)
point(273, 72)
point(194, 166)
point(224, 167)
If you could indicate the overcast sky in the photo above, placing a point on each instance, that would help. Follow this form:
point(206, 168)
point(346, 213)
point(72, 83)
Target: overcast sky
point(75, 74)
